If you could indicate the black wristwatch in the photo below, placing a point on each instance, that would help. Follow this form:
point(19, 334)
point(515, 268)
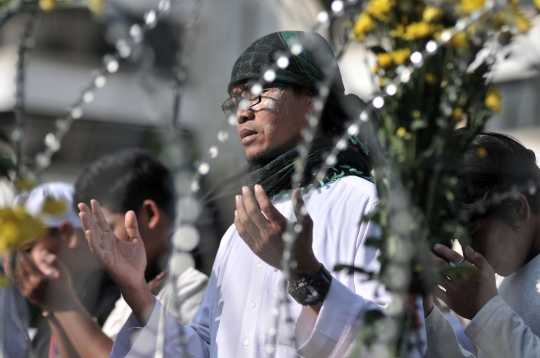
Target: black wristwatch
point(311, 290)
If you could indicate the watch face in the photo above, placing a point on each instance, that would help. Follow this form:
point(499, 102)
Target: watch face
point(311, 294)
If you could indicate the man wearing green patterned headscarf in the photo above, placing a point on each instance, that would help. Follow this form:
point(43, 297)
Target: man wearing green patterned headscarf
point(285, 106)
point(242, 314)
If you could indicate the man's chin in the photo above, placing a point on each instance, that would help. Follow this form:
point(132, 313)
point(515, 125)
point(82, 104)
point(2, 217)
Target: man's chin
point(261, 158)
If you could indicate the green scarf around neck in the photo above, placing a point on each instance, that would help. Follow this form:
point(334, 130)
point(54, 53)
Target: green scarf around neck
point(276, 176)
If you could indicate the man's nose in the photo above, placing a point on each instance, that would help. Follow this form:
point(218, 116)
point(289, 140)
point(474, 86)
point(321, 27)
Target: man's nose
point(244, 114)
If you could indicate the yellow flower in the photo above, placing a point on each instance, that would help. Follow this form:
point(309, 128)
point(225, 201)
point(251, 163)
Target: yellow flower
point(459, 41)
point(401, 56)
point(46, 5)
point(432, 13)
point(537, 4)
point(97, 7)
point(481, 152)
point(401, 132)
point(456, 114)
point(498, 20)
point(380, 9)
point(419, 30)
point(431, 78)
point(364, 25)
point(18, 228)
point(523, 25)
point(382, 81)
point(467, 6)
point(384, 59)
point(399, 31)
point(375, 69)
point(493, 100)
point(54, 207)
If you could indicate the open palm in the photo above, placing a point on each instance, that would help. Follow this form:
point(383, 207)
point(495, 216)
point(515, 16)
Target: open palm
point(124, 261)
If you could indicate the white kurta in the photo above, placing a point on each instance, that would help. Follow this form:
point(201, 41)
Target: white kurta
point(237, 317)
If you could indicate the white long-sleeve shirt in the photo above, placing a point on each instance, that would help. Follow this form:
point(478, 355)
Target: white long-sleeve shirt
point(237, 317)
point(508, 326)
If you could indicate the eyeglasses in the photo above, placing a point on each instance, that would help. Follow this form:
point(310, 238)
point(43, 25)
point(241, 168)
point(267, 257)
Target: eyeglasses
point(230, 106)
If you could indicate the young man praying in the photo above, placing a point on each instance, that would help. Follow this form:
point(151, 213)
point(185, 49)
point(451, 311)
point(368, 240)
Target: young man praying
point(241, 315)
point(505, 239)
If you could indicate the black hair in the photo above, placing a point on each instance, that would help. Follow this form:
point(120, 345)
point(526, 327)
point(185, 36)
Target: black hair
point(495, 164)
point(123, 181)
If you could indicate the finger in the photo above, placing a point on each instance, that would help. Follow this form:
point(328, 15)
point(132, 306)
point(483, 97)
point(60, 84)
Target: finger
point(100, 218)
point(132, 226)
point(300, 209)
point(253, 210)
point(95, 242)
point(268, 208)
point(89, 228)
point(87, 218)
point(437, 261)
point(447, 253)
point(246, 225)
point(244, 234)
point(477, 259)
point(26, 265)
point(440, 294)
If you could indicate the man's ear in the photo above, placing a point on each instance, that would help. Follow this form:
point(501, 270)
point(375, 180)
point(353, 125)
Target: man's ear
point(523, 210)
point(68, 232)
point(149, 214)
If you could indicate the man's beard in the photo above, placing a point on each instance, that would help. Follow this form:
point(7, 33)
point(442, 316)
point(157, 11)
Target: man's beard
point(262, 158)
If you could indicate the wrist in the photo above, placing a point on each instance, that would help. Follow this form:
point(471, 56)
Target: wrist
point(141, 300)
point(64, 302)
point(304, 269)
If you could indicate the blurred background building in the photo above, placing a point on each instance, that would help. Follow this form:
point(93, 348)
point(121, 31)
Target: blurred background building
point(135, 107)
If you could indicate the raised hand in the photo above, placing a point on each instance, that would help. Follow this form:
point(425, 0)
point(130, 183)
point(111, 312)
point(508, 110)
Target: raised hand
point(44, 281)
point(263, 233)
point(124, 261)
point(465, 295)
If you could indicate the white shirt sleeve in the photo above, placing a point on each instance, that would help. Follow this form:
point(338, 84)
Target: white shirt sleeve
point(136, 341)
point(334, 329)
point(336, 321)
point(441, 339)
point(499, 332)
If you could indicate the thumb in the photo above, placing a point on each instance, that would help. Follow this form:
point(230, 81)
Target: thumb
point(132, 226)
point(476, 259)
point(58, 267)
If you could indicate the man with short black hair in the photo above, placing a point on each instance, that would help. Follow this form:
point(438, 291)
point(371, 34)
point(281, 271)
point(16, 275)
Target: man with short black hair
point(241, 315)
point(131, 180)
